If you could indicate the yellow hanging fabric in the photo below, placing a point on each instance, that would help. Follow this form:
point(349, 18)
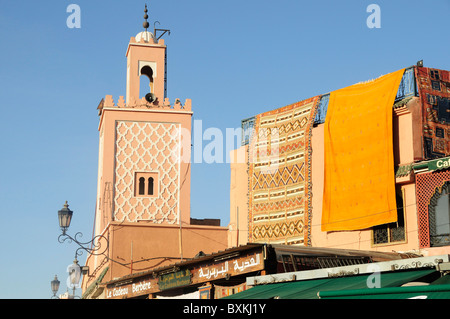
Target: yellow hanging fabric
point(359, 179)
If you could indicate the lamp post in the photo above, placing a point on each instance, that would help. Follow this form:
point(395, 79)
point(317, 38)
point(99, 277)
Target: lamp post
point(95, 248)
point(55, 287)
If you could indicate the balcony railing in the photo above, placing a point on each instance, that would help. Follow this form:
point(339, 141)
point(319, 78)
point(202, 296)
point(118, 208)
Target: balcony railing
point(247, 126)
point(406, 89)
point(407, 86)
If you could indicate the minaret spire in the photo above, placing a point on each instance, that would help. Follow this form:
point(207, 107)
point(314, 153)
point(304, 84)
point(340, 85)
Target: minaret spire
point(145, 24)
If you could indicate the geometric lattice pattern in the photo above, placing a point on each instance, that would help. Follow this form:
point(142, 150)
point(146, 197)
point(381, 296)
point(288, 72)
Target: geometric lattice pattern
point(427, 184)
point(147, 147)
point(278, 174)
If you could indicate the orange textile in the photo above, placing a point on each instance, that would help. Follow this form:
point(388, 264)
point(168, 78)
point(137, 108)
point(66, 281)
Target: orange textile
point(359, 180)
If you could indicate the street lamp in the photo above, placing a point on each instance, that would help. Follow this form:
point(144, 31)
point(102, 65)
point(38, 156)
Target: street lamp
point(74, 273)
point(64, 217)
point(95, 248)
point(74, 277)
point(55, 287)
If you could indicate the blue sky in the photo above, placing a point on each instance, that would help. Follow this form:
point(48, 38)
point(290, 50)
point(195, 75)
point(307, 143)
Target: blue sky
point(234, 59)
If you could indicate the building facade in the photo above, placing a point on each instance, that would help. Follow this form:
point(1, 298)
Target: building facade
point(283, 190)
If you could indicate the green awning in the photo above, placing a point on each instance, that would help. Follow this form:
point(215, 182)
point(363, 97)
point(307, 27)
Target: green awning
point(444, 280)
point(309, 289)
point(438, 289)
point(412, 292)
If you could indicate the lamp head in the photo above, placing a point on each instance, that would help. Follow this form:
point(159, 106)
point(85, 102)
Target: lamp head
point(64, 217)
point(74, 271)
point(55, 285)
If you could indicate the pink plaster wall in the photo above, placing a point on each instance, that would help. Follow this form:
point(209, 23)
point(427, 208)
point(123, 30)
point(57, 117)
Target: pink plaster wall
point(141, 246)
point(151, 52)
point(159, 245)
point(238, 227)
point(108, 121)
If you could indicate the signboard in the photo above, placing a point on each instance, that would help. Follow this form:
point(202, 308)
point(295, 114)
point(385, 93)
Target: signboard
point(138, 288)
point(175, 279)
point(441, 163)
point(231, 267)
point(222, 267)
point(433, 165)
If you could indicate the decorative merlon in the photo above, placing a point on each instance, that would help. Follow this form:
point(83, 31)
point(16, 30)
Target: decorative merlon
point(144, 104)
point(143, 40)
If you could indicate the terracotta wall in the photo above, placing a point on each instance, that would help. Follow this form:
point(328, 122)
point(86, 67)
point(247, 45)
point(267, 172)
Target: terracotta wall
point(139, 241)
point(238, 227)
point(106, 195)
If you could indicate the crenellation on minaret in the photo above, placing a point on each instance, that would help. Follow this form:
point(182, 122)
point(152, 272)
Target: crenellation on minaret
point(142, 103)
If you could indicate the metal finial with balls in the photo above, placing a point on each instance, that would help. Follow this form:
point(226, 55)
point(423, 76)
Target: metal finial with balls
point(145, 24)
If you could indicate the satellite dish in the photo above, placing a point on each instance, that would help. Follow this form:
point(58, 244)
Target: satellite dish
point(150, 97)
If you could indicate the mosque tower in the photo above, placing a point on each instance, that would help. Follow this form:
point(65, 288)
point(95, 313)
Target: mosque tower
point(144, 172)
point(142, 210)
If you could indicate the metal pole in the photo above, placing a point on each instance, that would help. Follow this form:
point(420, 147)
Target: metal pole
point(181, 242)
point(237, 226)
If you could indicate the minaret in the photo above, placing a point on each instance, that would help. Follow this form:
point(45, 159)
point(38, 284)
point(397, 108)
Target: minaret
point(143, 189)
point(144, 150)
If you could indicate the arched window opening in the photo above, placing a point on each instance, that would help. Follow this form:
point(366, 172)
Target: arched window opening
point(439, 215)
point(146, 184)
point(150, 186)
point(146, 81)
point(141, 186)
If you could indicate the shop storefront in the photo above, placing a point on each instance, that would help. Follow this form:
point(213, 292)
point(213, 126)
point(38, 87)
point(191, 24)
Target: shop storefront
point(204, 277)
point(225, 273)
